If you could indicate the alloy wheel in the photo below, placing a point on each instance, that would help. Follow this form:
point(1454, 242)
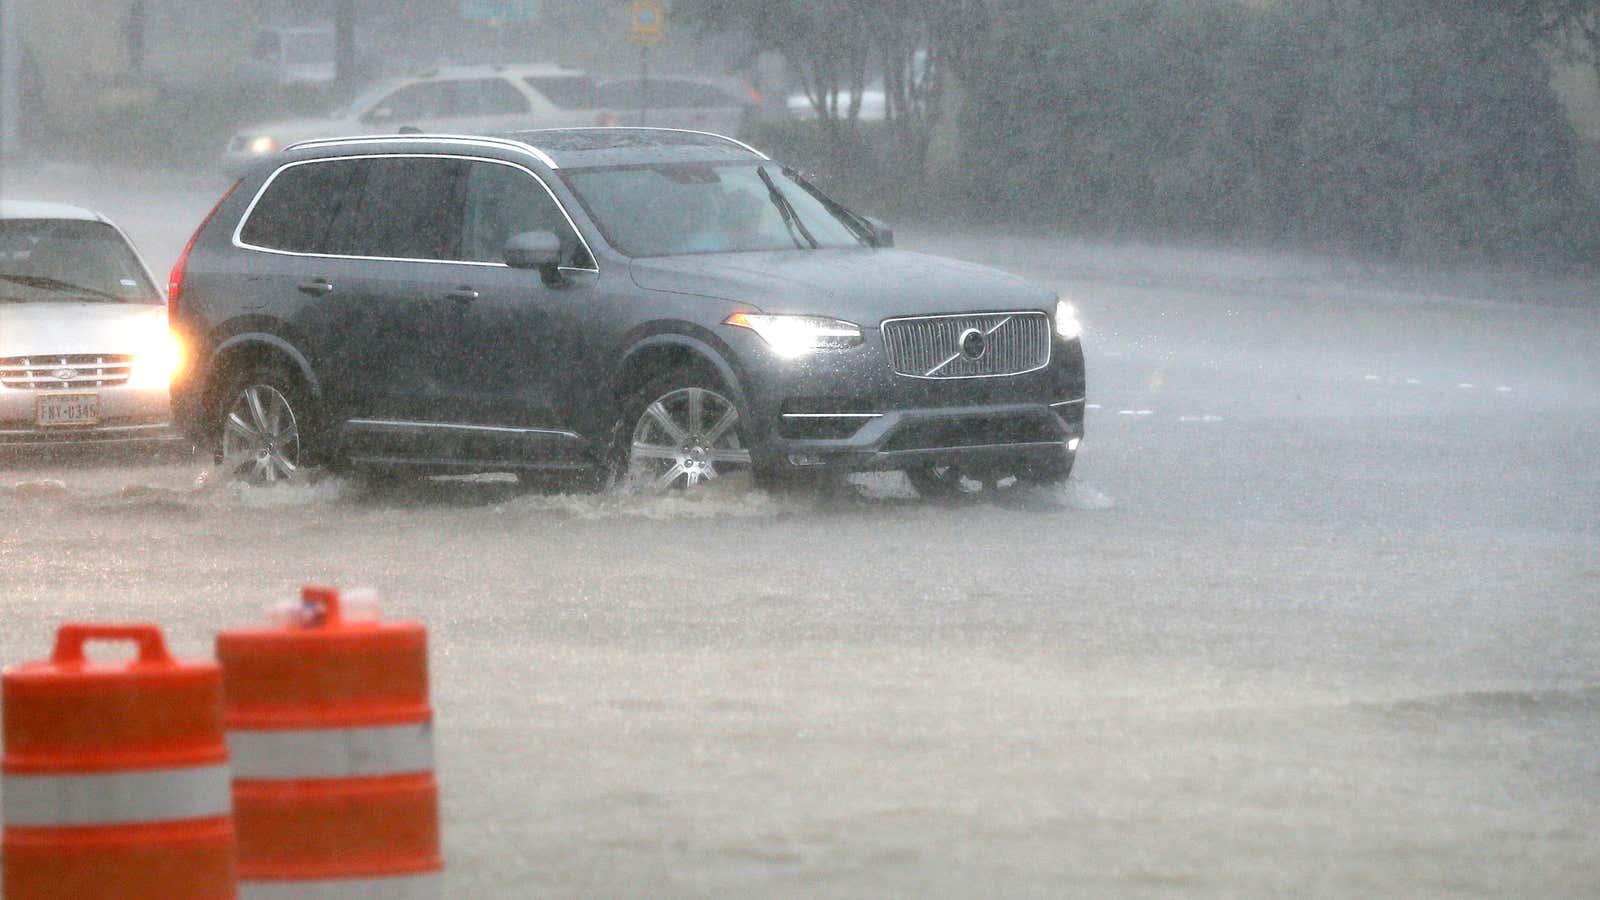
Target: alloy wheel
point(261, 437)
point(685, 437)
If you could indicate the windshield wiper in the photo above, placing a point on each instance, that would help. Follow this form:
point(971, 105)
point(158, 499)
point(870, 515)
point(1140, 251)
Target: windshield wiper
point(58, 286)
point(852, 220)
point(791, 218)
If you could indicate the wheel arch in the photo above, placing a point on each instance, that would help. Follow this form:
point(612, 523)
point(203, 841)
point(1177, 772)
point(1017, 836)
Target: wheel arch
point(251, 348)
point(658, 352)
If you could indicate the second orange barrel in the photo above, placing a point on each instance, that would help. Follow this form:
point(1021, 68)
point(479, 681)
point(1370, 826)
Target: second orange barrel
point(331, 734)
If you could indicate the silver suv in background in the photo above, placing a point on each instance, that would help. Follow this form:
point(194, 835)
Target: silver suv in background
point(452, 100)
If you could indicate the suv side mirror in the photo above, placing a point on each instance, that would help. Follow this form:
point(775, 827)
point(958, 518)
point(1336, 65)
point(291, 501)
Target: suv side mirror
point(536, 250)
point(882, 235)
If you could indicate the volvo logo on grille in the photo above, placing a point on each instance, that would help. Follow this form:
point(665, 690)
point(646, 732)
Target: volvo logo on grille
point(63, 374)
point(973, 343)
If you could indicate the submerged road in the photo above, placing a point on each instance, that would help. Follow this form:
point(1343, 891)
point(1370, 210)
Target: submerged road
point(1319, 617)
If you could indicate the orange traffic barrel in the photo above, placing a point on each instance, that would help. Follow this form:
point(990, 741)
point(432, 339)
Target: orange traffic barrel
point(332, 739)
point(115, 774)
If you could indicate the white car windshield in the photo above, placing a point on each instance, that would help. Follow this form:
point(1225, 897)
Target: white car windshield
point(669, 210)
point(56, 260)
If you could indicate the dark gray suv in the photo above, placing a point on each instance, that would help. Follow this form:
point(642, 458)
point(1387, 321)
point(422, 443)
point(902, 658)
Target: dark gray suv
point(649, 305)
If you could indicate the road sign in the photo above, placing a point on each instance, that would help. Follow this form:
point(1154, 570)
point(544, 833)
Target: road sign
point(648, 19)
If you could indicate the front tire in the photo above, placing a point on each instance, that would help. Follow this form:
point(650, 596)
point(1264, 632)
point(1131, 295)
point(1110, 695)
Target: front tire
point(262, 425)
point(679, 431)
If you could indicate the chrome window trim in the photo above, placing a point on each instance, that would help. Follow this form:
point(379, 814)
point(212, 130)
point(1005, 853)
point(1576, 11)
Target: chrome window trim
point(475, 140)
point(1067, 402)
point(1049, 353)
point(451, 426)
point(249, 211)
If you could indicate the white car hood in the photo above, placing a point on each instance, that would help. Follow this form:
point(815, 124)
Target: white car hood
point(43, 329)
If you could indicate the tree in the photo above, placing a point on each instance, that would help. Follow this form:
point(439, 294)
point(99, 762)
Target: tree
point(920, 48)
point(1574, 26)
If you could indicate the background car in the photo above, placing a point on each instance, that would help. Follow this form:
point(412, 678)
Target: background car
point(453, 100)
point(85, 352)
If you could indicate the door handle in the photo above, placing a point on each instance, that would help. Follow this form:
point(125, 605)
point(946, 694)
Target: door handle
point(317, 287)
point(463, 294)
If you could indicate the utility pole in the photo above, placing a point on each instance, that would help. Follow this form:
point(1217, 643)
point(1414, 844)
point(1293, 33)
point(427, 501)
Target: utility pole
point(344, 40)
point(10, 79)
point(648, 16)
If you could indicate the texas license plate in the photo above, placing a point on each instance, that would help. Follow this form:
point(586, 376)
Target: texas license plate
point(69, 409)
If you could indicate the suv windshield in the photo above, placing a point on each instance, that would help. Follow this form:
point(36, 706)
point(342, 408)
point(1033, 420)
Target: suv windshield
point(44, 260)
point(669, 210)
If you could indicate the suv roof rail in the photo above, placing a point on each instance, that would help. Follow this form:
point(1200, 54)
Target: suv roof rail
point(508, 143)
point(710, 134)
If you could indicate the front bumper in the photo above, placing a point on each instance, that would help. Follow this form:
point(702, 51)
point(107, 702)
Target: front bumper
point(848, 410)
point(127, 415)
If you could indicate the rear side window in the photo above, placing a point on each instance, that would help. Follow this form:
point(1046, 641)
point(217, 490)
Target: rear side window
point(294, 212)
point(402, 208)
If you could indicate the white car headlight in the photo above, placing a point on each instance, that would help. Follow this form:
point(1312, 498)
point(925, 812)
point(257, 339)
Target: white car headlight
point(157, 362)
point(798, 335)
point(1067, 324)
point(263, 144)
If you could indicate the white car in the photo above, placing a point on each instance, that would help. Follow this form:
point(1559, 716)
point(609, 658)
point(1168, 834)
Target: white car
point(85, 352)
point(453, 100)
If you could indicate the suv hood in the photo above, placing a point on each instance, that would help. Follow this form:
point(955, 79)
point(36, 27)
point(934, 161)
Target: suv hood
point(42, 329)
point(862, 285)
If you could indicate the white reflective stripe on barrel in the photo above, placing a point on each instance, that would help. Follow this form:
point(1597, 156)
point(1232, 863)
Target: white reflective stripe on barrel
point(401, 887)
point(151, 795)
point(332, 752)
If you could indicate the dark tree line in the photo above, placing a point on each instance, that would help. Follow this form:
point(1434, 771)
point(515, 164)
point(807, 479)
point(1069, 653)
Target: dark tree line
point(1397, 127)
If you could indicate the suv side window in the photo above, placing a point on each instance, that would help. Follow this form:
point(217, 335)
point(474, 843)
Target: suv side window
point(295, 211)
point(488, 97)
point(404, 208)
point(503, 201)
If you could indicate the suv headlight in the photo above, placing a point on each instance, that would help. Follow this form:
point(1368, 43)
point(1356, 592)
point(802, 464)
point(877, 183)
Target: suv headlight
point(1067, 324)
point(798, 335)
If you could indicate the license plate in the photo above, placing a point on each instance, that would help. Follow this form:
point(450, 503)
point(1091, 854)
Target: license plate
point(69, 409)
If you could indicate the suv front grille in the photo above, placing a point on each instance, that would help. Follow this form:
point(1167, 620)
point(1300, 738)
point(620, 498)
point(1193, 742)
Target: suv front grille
point(83, 370)
point(931, 346)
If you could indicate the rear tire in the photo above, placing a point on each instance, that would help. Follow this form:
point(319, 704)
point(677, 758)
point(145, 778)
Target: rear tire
point(262, 427)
